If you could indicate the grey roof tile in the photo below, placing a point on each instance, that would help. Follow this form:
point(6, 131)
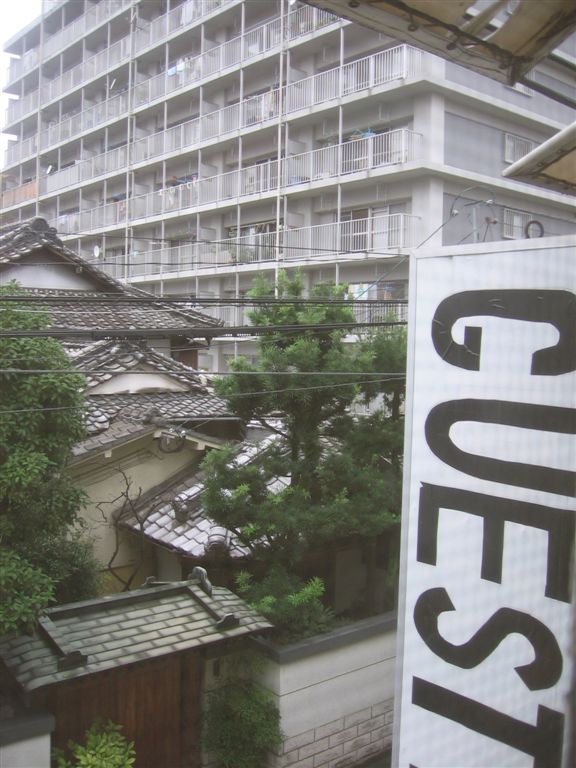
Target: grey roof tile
point(103, 628)
point(17, 241)
point(197, 533)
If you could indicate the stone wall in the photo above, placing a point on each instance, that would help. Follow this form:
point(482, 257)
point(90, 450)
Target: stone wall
point(342, 743)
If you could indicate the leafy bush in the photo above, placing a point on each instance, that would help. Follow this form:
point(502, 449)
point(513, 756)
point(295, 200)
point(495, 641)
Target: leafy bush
point(105, 748)
point(294, 607)
point(242, 724)
point(24, 592)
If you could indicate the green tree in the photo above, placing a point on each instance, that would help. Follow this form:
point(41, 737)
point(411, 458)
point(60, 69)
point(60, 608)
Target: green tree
point(342, 474)
point(41, 418)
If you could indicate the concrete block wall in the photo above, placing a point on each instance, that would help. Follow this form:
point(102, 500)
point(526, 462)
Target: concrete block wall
point(335, 695)
point(342, 743)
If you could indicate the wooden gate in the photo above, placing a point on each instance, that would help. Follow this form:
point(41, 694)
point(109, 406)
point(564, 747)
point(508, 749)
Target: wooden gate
point(157, 702)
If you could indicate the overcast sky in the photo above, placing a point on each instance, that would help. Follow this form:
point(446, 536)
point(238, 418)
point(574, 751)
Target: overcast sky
point(14, 15)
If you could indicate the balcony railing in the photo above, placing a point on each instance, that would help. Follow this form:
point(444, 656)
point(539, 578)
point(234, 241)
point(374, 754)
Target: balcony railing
point(95, 115)
point(372, 312)
point(74, 31)
point(24, 64)
point(386, 66)
point(20, 150)
point(380, 236)
point(19, 195)
point(214, 61)
point(351, 157)
point(162, 27)
point(341, 159)
point(92, 67)
point(17, 108)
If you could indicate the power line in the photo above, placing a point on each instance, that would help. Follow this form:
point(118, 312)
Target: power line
point(205, 332)
point(239, 395)
point(115, 371)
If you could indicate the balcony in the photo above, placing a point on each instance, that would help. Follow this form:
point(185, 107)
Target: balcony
point(159, 29)
point(75, 31)
point(96, 115)
point(23, 65)
point(364, 312)
point(19, 195)
point(18, 108)
point(317, 166)
point(354, 78)
point(20, 150)
point(90, 68)
point(188, 71)
point(379, 237)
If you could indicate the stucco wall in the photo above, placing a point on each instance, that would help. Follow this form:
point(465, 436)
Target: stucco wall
point(335, 695)
point(25, 741)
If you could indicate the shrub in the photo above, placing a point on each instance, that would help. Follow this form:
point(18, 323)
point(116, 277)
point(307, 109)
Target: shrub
point(293, 606)
point(105, 748)
point(242, 724)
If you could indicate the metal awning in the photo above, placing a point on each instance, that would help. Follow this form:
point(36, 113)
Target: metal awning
point(551, 165)
point(503, 39)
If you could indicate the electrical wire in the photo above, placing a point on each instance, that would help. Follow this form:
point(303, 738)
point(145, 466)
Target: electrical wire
point(239, 395)
point(113, 371)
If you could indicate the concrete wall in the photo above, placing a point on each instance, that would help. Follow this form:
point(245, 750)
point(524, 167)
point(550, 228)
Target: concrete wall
point(25, 741)
point(335, 695)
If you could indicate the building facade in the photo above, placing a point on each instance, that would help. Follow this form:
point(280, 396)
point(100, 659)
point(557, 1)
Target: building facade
point(187, 146)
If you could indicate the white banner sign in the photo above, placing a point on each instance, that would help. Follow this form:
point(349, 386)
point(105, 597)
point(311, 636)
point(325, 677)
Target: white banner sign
point(485, 620)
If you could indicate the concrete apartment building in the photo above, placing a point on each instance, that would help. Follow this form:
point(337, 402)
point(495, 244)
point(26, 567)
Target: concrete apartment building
point(188, 145)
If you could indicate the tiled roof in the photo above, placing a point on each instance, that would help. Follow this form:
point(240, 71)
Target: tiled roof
point(121, 356)
point(175, 518)
point(84, 638)
point(103, 360)
point(103, 312)
point(115, 433)
point(23, 238)
point(107, 411)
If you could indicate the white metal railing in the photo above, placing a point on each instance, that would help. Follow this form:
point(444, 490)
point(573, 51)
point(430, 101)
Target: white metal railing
point(383, 67)
point(92, 67)
point(515, 147)
point(349, 157)
point(16, 151)
point(189, 70)
point(74, 31)
point(354, 156)
point(163, 26)
point(260, 40)
point(377, 235)
point(17, 108)
point(89, 118)
point(24, 64)
point(213, 61)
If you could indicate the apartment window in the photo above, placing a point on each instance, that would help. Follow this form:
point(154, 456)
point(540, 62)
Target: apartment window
point(516, 147)
point(514, 223)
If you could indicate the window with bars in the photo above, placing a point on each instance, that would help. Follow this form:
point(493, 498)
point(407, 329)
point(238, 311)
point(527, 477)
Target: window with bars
point(514, 223)
point(516, 147)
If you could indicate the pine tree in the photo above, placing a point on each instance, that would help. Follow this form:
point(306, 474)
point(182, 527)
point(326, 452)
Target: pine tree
point(341, 475)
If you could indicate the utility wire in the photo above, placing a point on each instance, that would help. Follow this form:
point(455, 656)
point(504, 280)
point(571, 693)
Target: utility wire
point(207, 331)
point(239, 395)
point(194, 372)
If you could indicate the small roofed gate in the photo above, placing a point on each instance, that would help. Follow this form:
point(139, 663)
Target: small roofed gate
point(156, 701)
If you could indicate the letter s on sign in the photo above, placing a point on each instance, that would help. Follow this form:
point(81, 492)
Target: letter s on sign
point(543, 672)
